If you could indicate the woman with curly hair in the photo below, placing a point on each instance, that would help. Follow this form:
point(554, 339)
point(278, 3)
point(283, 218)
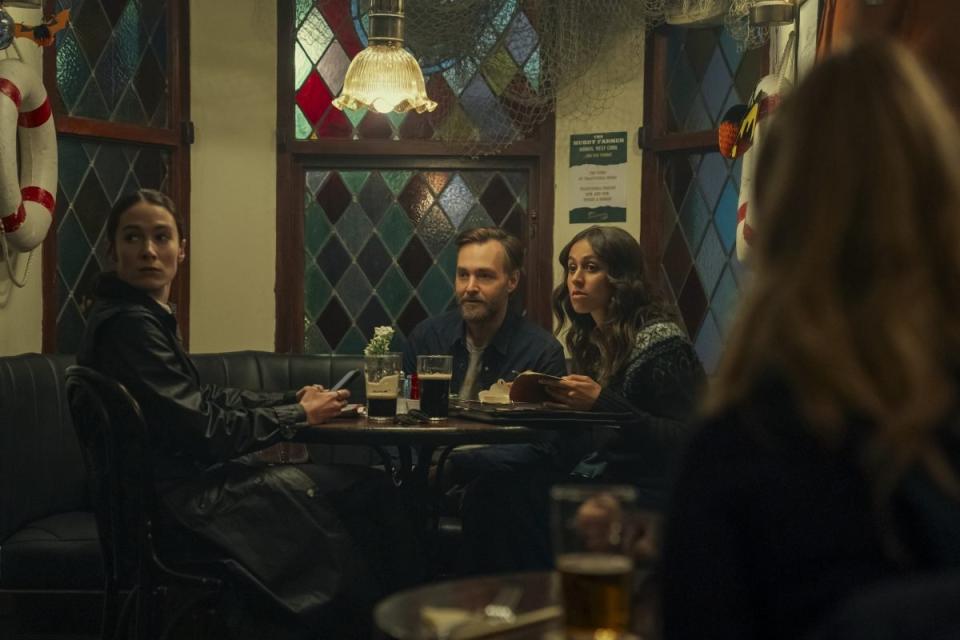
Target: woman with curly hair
point(629, 356)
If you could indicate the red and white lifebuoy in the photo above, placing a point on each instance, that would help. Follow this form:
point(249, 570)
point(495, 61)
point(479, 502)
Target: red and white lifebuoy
point(26, 199)
point(764, 102)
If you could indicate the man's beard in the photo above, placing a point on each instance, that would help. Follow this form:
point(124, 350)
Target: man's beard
point(480, 310)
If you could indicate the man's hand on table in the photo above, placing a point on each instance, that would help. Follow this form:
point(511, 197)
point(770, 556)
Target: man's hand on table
point(321, 405)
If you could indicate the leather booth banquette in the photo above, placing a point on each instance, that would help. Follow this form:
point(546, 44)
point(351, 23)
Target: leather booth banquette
point(48, 537)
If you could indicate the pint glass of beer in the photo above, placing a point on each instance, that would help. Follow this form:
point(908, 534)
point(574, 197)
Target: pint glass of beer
point(434, 373)
point(382, 374)
point(592, 543)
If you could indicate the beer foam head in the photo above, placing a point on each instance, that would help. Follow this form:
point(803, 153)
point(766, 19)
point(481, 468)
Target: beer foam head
point(594, 564)
point(434, 376)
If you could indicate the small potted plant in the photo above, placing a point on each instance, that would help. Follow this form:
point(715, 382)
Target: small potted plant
point(382, 374)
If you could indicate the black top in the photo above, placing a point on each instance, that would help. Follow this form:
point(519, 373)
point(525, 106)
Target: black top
point(519, 345)
point(659, 386)
point(133, 339)
point(770, 530)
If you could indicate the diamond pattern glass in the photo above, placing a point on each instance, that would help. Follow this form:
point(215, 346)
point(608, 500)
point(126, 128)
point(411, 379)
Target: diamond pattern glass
point(329, 33)
point(379, 245)
point(92, 177)
point(112, 61)
point(706, 75)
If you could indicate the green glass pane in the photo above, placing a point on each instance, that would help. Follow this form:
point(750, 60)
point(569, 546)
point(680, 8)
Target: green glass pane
point(532, 69)
point(303, 7)
point(395, 229)
point(354, 179)
point(396, 119)
point(457, 126)
point(313, 340)
point(316, 290)
point(355, 116)
point(314, 35)
point(503, 17)
point(316, 228)
point(72, 69)
point(394, 291)
point(352, 343)
point(499, 70)
point(435, 291)
point(447, 260)
point(303, 126)
point(301, 66)
point(396, 180)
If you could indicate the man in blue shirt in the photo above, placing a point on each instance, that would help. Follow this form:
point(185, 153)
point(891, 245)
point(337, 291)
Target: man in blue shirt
point(488, 340)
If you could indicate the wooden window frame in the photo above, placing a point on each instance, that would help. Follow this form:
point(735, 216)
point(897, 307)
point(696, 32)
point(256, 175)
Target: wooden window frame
point(294, 157)
point(176, 139)
point(657, 143)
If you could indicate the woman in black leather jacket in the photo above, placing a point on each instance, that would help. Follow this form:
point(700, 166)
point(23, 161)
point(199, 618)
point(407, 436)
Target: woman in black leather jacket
point(305, 535)
point(629, 356)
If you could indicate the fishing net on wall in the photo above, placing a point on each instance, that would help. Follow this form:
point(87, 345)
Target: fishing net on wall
point(497, 68)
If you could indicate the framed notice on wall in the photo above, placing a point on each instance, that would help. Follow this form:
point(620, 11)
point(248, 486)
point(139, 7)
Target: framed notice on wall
point(598, 177)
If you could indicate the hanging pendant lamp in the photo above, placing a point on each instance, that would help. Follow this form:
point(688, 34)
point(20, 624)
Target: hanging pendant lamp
point(384, 76)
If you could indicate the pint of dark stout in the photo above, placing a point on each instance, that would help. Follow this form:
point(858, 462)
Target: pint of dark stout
point(382, 375)
point(592, 540)
point(434, 373)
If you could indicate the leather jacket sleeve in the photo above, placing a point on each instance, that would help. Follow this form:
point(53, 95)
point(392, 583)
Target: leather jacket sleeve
point(245, 399)
point(207, 423)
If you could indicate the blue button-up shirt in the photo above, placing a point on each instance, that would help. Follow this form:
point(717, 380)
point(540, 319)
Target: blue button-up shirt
point(519, 345)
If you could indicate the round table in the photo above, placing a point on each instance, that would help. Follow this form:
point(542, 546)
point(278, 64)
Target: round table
point(426, 437)
point(450, 432)
point(400, 616)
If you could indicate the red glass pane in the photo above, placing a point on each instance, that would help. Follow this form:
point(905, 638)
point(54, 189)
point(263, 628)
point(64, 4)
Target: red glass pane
point(337, 15)
point(313, 97)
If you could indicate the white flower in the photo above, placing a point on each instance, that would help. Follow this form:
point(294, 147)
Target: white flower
point(380, 343)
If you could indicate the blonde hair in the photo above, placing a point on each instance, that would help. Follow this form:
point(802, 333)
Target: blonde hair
point(855, 300)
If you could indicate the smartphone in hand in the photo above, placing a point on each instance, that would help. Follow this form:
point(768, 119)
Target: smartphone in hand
point(345, 380)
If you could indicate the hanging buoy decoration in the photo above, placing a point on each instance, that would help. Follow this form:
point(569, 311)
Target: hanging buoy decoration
point(27, 197)
point(749, 123)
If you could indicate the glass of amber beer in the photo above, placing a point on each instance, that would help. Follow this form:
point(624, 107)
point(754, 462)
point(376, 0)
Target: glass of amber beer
point(434, 373)
point(592, 541)
point(382, 374)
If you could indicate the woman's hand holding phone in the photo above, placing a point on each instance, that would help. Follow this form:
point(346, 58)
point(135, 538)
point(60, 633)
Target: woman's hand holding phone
point(321, 406)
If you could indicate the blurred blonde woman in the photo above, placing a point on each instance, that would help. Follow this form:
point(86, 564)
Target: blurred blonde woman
point(827, 459)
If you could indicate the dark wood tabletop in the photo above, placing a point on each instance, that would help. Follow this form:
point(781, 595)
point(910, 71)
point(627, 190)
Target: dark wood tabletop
point(453, 431)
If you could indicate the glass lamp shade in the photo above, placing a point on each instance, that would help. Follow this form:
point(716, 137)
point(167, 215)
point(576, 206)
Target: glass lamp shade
point(385, 78)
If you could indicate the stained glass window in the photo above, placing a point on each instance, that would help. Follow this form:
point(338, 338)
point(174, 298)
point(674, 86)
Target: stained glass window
point(706, 75)
point(92, 177)
point(329, 33)
point(112, 61)
point(379, 248)
point(699, 192)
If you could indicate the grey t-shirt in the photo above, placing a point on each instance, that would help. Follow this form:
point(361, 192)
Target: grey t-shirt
point(468, 390)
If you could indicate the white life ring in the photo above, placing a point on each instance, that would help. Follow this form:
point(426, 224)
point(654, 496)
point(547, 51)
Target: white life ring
point(27, 200)
point(766, 98)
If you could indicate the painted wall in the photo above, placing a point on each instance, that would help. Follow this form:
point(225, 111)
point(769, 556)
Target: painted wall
point(624, 112)
point(21, 309)
point(232, 245)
